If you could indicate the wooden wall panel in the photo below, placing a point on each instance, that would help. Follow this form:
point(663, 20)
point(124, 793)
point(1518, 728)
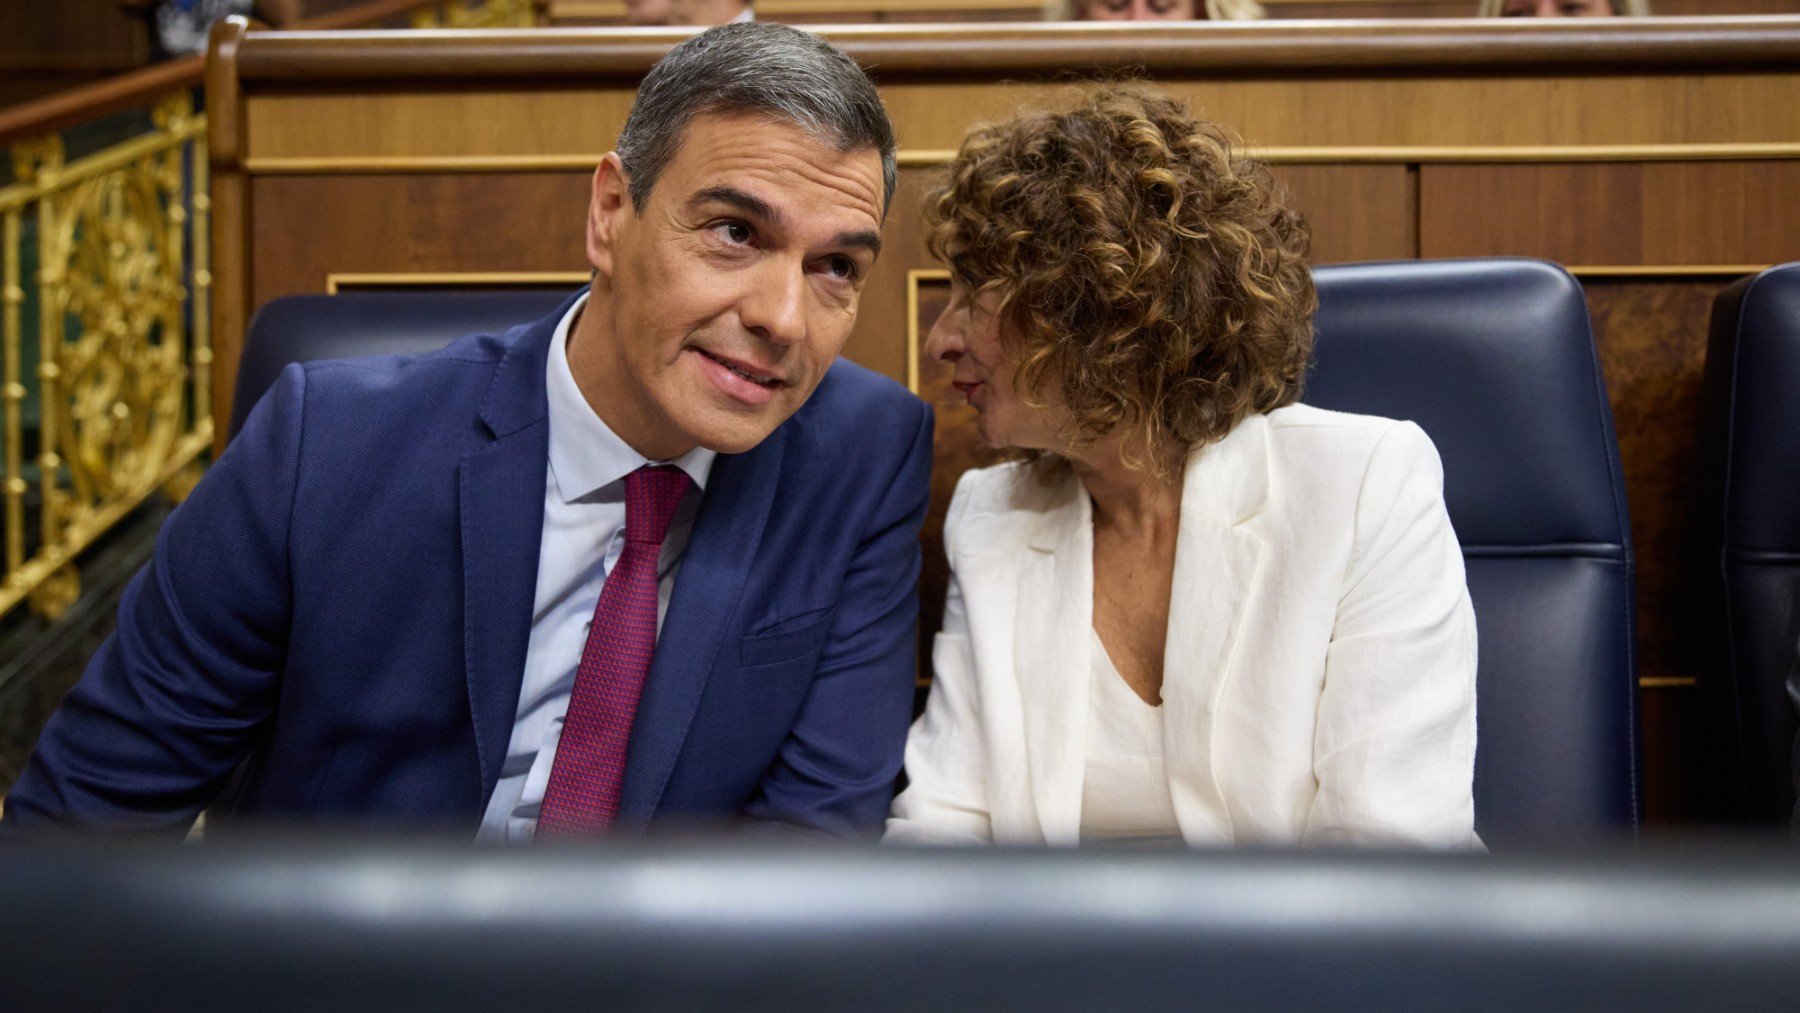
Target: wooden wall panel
point(456, 123)
point(97, 36)
point(1357, 212)
point(1345, 113)
point(306, 228)
point(1422, 112)
point(880, 340)
point(1624, 213)
point(47, 48)
point(1651, 334)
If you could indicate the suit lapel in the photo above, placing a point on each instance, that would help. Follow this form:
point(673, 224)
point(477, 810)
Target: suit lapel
point(1053, 656)
point(500, 507)
point(1217, 566)
point(714, 568)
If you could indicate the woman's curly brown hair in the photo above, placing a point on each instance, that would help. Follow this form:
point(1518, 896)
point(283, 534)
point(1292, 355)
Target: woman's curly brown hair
point(1153, 277)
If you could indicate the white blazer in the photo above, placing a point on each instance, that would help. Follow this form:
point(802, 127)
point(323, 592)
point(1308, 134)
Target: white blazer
point(1319, 675)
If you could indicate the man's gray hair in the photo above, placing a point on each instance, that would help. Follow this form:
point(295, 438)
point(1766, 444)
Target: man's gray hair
point(754, 67)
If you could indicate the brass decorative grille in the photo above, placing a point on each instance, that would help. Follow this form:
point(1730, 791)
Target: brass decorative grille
point(480, 14)
point(121, 384)
point(105, 353)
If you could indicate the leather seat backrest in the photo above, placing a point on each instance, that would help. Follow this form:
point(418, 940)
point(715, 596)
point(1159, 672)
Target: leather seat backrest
point(305, 328)
point(1495, 360)
point(1752, 531)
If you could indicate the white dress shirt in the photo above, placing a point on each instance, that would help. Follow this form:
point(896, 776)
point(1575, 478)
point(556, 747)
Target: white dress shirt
point(584, 534)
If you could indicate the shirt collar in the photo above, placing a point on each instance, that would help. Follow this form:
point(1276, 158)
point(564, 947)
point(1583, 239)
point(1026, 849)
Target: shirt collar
point(585, 454)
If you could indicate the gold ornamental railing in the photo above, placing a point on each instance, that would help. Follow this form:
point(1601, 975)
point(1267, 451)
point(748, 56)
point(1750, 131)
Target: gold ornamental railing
point(485, 14)
point(105, 281)
point(120, 362)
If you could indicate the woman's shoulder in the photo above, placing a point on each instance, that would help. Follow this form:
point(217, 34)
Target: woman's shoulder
point(1359, 462)
point(995, 504)
point(1348, 437)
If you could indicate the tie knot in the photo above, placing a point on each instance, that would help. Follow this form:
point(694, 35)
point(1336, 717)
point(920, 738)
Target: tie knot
point(651, 495)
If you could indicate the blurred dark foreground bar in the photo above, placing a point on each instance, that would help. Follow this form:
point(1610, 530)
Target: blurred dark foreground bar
point(664, 925)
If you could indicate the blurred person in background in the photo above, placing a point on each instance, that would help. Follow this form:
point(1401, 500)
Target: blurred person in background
point(1562, 8)
point(687, 12)
point(1155, 10)
point(179, 27)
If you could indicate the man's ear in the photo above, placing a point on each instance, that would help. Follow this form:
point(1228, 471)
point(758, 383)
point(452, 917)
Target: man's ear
point(608, 207)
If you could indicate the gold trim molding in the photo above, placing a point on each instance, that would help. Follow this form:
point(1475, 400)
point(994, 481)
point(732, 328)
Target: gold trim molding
point(279, 165)
point(913, 342)
point(1667, 682)
point(1665, 270)
point(324, 166)
point(335, 283)
point(1440, 154)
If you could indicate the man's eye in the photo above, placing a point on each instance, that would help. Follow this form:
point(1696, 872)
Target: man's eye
point(736, 232)
point(843, 267)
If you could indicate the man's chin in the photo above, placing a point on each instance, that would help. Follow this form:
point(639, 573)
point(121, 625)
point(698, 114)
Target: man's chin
point(732, 439)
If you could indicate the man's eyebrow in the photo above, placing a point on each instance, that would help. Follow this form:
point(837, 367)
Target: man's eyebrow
point(748, 203)
point(863, 239)
point(753, 206)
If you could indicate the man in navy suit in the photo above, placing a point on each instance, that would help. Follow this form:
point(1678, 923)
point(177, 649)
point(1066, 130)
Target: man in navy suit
point(379, 605)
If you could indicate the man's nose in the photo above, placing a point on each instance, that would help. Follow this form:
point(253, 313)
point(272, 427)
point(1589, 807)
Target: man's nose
point(775, 308)
point(945, 342)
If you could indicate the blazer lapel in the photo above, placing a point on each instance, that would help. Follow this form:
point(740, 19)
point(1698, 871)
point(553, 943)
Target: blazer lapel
point(1053, 649)
point(714, 568)
point(1217, 566)
point(501, 510)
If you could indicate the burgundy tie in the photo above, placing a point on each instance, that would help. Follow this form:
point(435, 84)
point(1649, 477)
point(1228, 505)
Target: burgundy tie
point(583, 794)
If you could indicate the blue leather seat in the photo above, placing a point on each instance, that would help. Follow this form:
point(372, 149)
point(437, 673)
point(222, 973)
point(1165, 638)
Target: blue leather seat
point(1495, 361)
point(1493, 358)
point(1752, 533)
point(303, 328)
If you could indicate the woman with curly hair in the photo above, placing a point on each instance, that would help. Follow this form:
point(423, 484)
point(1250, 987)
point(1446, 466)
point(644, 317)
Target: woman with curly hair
point(1192, 609)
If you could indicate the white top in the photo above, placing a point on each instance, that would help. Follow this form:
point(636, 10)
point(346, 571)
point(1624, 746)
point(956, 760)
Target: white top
point(584, 535)
point(1125, 792)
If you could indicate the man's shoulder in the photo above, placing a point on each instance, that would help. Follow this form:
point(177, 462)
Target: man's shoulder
point(854, 405)
point(397, 394)
point(859, 435)
point(848, 384)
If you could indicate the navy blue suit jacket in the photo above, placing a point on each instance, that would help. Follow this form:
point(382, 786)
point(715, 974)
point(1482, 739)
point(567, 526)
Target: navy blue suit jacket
point(339, 614)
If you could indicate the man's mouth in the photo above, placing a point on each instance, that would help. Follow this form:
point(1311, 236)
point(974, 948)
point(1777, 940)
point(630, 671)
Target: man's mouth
point(761, 378)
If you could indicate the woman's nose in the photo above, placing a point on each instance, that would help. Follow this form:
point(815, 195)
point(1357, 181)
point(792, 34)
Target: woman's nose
point(945, 343)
